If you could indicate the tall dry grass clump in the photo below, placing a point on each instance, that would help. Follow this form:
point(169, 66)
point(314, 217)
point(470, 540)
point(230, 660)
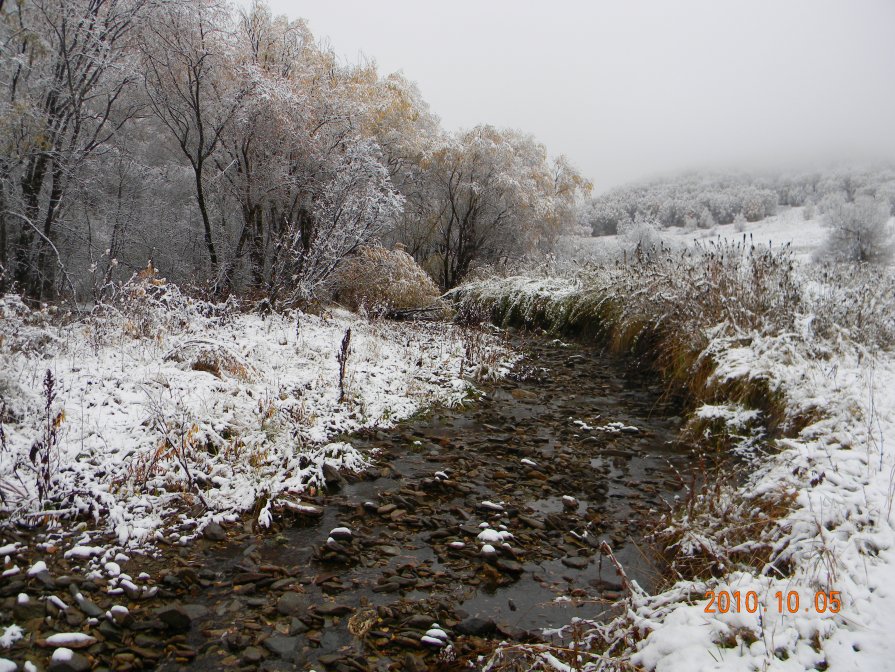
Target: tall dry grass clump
point(853, 302)
point(664, 308)
point(384, 283)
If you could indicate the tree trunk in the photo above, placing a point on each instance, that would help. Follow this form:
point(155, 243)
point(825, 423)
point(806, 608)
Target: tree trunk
point(46, 264)
point(4, 271)
point(256, 254)
point(24, 271)
point(206, 220)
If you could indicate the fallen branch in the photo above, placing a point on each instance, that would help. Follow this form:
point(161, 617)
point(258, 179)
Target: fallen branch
point(53, 513)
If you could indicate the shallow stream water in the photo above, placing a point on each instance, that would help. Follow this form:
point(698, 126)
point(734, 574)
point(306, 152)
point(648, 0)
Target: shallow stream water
point(570, 450)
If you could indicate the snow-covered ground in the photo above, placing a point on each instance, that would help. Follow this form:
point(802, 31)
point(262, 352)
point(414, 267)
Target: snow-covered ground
point(789, 227)
point(167, 415)
point(839, 536)
point(157, 415)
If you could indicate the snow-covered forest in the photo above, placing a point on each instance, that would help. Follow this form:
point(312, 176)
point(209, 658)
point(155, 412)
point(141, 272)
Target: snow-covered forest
point(240, 155)
point(293, 376)
point(704, 200)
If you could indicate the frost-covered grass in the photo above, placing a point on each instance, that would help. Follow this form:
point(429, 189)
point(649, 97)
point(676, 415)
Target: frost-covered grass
point(160, 413)
point(805, 356)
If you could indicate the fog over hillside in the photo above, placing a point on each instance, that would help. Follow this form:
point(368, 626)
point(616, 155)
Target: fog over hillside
point(636, 90)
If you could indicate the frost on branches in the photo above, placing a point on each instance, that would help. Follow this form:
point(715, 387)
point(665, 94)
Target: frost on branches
point(355, 206)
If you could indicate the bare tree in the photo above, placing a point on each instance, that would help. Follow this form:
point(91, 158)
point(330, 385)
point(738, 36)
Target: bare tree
point(493, 196)
point(354, 206)
point(193, 87)
point(259, 146)
point(65, 91)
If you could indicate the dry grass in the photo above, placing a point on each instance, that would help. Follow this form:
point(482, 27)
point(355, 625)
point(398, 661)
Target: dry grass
point(854, 300)
point(578, 655)
point(214, 358)
point(384, 282)
point(714, 529)
point(664, 309)
point(147, 307)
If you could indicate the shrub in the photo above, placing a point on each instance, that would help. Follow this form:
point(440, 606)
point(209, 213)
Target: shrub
point(809, 211)
point(859, 230)
point(147, 306)
point(23, 330)
point(642, 236)
point(384, 282)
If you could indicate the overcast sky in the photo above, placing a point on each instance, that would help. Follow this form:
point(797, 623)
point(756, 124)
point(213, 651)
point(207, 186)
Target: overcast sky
point(634, 88)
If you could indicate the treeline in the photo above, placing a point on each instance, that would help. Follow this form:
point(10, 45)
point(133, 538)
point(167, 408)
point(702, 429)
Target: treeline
point(240, 155)
point(704, 200)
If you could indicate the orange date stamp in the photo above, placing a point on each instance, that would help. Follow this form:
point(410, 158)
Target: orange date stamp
point(723, 601)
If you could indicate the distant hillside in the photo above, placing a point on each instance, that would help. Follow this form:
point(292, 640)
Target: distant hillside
point(699, 200)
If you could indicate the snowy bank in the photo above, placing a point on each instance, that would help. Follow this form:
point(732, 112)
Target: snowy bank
point(803, 550)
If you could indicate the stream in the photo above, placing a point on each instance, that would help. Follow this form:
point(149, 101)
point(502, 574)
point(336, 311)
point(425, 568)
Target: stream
point(569, 450)
point(471, 526)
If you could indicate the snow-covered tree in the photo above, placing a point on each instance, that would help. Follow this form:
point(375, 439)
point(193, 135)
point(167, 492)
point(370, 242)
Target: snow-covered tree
point(268, 131)
point(491, 195)
point(352, 208)
point(642, 236)
point(194, 87)
point(859, 229)
point(66, 90)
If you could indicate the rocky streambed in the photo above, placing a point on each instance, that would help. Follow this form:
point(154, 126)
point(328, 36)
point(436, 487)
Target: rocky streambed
point(471, 526)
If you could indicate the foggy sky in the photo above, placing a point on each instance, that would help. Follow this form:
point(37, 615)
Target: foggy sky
point(631, 89)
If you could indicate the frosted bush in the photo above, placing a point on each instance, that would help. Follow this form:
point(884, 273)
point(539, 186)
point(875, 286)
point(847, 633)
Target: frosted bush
point(642, 236)
point(859, 230)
